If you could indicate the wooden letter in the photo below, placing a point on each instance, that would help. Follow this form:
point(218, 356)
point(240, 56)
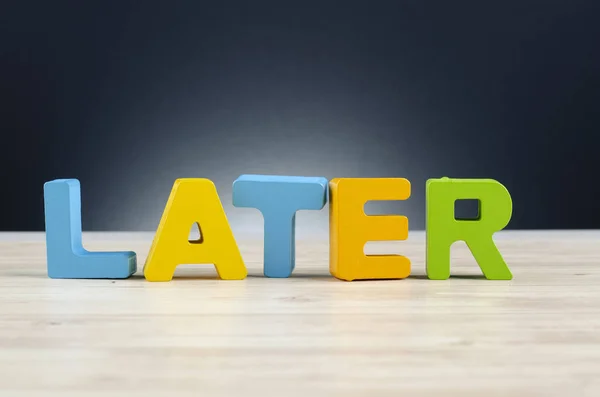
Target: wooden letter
point(194, 201)
point(351, 228)
point(443, 229)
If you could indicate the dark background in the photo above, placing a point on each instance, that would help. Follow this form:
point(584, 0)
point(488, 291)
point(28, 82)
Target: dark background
point(129, 95)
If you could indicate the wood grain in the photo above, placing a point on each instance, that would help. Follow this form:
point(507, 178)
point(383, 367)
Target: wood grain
point(537, 335)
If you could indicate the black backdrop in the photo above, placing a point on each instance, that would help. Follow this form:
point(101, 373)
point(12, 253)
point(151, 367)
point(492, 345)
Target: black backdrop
point(129, 95)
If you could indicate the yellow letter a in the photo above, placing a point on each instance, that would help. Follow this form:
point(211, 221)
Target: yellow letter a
point(194, 201)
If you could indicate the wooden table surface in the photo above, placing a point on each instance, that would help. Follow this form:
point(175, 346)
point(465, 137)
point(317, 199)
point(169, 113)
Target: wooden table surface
point(309, 335)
